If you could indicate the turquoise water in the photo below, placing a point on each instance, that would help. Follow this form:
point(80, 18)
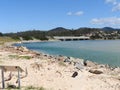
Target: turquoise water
point(100, 51)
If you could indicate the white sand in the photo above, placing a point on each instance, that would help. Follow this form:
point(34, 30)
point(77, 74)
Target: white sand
point(52, 76)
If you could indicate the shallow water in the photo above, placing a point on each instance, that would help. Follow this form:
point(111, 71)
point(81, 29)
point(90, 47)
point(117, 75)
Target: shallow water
point(101, 51)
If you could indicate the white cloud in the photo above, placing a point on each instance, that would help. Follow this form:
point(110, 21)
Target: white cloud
point(78, 13)
point(114, 2)
point(106, 21)
point(69, 13)
point(116, 7)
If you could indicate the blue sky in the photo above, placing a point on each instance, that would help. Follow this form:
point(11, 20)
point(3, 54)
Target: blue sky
point(22, 15)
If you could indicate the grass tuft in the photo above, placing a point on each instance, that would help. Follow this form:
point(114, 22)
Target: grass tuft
point(62, 64)
point(25, 57)
point(34, 88)
point(20, 57)
point(5, 39)
point(13, 56)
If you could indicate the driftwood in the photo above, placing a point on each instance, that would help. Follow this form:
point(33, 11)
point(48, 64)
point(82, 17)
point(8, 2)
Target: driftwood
point(36, 66)
point(26, 73)
point(59, 73)
point(9, 77)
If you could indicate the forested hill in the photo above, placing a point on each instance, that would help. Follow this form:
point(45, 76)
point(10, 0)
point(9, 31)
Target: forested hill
point(93, 33)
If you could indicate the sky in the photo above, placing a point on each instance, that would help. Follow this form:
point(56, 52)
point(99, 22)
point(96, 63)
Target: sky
point(23, 15)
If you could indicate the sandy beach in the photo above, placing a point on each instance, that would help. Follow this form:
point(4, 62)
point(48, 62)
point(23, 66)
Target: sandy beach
point(57, 73)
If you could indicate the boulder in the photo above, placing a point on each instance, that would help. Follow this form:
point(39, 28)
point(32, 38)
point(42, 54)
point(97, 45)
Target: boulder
point(90, 63)
point(67, 60)
point(94, 71)
point(61, 58)
point(117, 69)
point(78, 65)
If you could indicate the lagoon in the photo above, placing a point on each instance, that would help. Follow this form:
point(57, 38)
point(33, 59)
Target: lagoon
point(100, 51)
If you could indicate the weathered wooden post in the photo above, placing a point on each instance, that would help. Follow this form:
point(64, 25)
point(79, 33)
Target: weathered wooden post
point(18, 78)
point(10, 68)
point(3, 81)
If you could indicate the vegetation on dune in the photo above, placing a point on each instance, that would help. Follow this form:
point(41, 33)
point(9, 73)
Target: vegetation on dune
point(26, 88)
point(4, 39)
point(19, 57)
point(34, 88)
point(25, 57)
point(61, 63)
point(13, 56)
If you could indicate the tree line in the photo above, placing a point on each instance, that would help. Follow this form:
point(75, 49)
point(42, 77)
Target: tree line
point(94, 33)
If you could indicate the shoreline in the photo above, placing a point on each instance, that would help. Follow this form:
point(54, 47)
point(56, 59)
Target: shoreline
point(113, 66)
point(49, 70)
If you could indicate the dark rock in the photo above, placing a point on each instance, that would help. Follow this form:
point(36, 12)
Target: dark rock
point(85, 63)
point(75, 74)
point(95, 71)
point(67, 60)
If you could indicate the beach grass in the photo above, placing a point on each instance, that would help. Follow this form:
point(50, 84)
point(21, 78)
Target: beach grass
point(27, 88)
point(34, 88)
point(25, 57)
point(3, 40)
point(20, 57)
point(13, 56)
point(61, 63)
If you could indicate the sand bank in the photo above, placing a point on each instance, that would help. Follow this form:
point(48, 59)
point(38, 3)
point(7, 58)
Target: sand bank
point(57, 73)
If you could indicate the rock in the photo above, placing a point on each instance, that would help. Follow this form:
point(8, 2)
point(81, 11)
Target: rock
point(61, 58)
point(117, 69)
point(94, 71)
point(90, 63)
point(67, 60)
point(75, 74)
point(78, 65)
point(23, 49)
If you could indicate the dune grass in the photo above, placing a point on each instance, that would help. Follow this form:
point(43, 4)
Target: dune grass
point(5, 39)
point(34, 88)
point(19, 57)
point(61, 63)
point(27, 88)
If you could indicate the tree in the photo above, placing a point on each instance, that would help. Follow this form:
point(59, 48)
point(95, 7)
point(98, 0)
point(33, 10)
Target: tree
point(1, 34)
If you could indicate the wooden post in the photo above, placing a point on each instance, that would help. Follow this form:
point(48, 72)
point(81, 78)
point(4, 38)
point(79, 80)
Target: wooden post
point(3, 82)
point(18, 78)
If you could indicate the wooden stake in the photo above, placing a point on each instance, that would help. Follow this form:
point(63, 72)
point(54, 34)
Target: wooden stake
point(18, 78)
point(3, 82)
